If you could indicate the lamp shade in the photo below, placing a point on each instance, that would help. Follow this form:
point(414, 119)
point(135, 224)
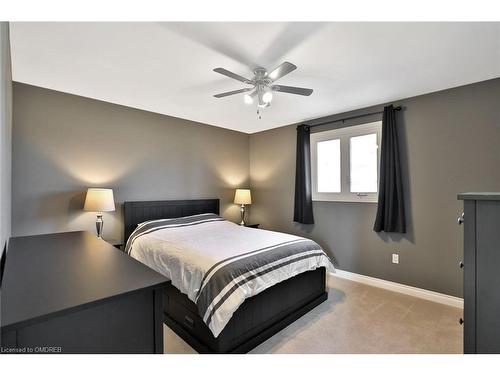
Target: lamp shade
point(99, 200)
point(242, 196)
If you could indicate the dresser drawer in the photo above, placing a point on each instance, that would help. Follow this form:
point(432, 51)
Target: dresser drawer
point(481, 222)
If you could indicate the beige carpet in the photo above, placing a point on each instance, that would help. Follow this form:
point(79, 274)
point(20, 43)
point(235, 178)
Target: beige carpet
point(358, 318)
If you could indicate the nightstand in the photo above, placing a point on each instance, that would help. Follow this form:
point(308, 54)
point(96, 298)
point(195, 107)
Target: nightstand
point(252, 225)
point(116, 243)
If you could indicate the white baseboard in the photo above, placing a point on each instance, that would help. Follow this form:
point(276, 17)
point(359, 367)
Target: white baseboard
point(401, 288)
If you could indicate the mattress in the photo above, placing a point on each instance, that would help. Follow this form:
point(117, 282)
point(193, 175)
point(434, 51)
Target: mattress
point(218, 264)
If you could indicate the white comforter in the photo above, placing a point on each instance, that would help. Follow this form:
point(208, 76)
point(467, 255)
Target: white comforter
point(193, 254)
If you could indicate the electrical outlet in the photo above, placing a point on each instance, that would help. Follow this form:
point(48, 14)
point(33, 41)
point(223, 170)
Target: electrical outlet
point(395, 258)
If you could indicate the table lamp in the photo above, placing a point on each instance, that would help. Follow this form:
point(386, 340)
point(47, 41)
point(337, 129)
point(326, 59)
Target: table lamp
point(99, 200)
point(242, 196)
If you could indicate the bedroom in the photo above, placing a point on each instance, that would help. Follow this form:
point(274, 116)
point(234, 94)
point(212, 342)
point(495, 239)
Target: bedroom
point(347, 167)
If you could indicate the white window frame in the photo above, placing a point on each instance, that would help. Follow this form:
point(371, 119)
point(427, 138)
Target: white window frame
point(344, 134)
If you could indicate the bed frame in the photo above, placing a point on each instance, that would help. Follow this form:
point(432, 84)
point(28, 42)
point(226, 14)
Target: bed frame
point(257, 319)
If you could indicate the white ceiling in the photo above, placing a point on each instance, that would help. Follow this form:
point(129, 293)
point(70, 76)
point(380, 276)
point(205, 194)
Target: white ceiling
point(167, 67)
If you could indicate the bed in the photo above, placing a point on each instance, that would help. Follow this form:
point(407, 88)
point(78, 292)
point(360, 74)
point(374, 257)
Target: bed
point(210, 313)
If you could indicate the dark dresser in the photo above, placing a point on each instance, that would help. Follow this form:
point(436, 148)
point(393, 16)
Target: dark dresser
point(481, 265)
point(75, 293)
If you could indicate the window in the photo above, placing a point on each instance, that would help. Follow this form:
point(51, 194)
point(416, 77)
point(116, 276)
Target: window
point(345, 163)
point(329, 166)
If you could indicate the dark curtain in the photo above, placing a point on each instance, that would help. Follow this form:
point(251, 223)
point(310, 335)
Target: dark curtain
point(303, 212)
point(390, 210)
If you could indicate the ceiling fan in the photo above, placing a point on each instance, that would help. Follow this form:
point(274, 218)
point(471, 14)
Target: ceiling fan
point(262, 85)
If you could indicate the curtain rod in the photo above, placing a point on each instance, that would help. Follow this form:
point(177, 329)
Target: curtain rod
point(398, 108)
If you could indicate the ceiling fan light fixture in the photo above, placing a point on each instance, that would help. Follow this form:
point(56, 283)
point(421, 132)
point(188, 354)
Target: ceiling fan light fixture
point(261, 103)
point(248, 99)
point(267, 97)
point(263, 85)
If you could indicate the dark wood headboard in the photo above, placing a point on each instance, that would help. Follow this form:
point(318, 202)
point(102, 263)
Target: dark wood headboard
point(137, 212)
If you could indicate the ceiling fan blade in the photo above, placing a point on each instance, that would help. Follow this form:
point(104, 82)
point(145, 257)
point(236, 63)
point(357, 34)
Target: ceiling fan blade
point(282, 70)
point(232, 75)
point(292, 90)
point(233, 92)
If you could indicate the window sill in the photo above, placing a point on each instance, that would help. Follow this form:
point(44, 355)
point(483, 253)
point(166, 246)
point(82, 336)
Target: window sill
point(346, 200)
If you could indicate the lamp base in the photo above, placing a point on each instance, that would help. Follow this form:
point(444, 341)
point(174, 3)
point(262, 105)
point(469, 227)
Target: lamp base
point(242, 213)
point(99, 223)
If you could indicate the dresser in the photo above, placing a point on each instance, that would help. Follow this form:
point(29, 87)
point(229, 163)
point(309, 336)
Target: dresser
point(481, 267)
point(75, 293)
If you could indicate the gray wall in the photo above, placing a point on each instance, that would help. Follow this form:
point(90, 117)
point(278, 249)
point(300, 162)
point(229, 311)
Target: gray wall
point(451, 143)
point(5, 134)
point(63, 144)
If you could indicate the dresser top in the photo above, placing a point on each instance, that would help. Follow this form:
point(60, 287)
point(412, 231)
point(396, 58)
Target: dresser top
point(49, 274)
point(485, 196)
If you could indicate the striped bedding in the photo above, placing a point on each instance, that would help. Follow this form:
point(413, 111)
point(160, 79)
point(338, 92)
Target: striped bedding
point(219, 264)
